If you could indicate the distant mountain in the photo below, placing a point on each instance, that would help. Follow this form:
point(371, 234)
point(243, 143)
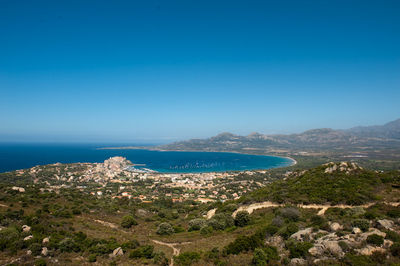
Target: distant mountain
point(390, 130)
point(358, 138)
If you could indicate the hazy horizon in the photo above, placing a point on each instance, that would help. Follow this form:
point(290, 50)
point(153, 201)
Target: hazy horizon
point(73, 71)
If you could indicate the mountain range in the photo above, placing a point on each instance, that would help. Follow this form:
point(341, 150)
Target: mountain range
point(357, 139)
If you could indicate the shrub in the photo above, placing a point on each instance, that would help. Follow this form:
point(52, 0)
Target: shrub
point(271, 229)
point(36, 249)
point(259, 257)
point(92, 258)
point(205, 230)
point(40, 262)
point(131, 244)
point(290, 230)
point(196, 224)
point(242, 218)
point(361, 223)
point(395, 249)
point(165, 229)
point(375, 239)
point(264, 256)
point(298, 249)
point(290, 213)
point(142, 252)
point(187, 258)
point(278, 221)
point(160, 259)
point(68, 245)
point(394, 212)
point(391, 235)
point(220, 221)
point(244, 243)
point(128, 221)
point(7, 237)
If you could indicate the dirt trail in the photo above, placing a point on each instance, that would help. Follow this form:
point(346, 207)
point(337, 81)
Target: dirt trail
point(210, 213)
point(175, 250)
point(111, 225)
point(268, 204)
point(2, 205)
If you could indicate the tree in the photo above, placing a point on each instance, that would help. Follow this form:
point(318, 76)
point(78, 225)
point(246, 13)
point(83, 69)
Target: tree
point(165, 229)
point(128, 221)
point(242, 218)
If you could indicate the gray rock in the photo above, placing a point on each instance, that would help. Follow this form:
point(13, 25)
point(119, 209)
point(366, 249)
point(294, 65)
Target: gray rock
point(45, 240)
point(297, 261)
point(26, 228)
point(299, 236)
point(385, 223)
point(335, 226)
point(334, 248)
point(45, 251)
point(356, 230)
point(317, 250)
point(118, 252)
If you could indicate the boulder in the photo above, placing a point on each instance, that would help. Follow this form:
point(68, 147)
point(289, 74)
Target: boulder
point(356, 230)
point(335, 226)
point(45, 240)
point(276, 241)
point(28, 252)
point(368, 250)
point(333, 248)
point(372, 231)
point(297, 261)
point(299, 235)
point(45, 251)
point(118, 252)
point(26, 228)
point(385, 223)
point(28, 238)
point(317, 250)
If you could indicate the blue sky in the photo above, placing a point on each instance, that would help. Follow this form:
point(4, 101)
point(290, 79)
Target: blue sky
point(131, 71)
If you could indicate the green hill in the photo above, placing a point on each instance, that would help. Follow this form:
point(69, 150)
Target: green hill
point(334, 183)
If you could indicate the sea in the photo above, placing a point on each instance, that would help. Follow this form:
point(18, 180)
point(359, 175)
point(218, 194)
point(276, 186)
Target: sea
point(14, 156)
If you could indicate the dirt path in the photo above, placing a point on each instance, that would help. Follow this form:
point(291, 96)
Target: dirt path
point(111, 225)
point(2, 205)
point(210, 213)
point(175, 250)
point(268, 204)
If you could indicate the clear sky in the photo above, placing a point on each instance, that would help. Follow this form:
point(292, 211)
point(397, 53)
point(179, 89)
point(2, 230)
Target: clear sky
point(149, 70)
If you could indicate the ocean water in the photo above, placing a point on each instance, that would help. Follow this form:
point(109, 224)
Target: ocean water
point(21, 156)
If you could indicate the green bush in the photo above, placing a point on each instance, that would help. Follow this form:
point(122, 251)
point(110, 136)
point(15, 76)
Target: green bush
point(242, 218)
point(128, 221)
point(187, 258)
point(68, 245)
point(375, 239)
point(290, 213)
point(142, 252)
point(362, 224)
point(391, 235)
point(205, 230)
point(36, 249)
point(395, 249)
point(7, 237)
point(196, 224)
point(131, 244)
point(221, 221)
point(264, 256)
point(165, 229)
point(298, 249)
point(92, 258)
point(160, 259)
point(40, 262)
point(290, 230)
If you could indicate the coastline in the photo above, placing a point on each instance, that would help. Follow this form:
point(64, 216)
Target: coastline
point(294, 162)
